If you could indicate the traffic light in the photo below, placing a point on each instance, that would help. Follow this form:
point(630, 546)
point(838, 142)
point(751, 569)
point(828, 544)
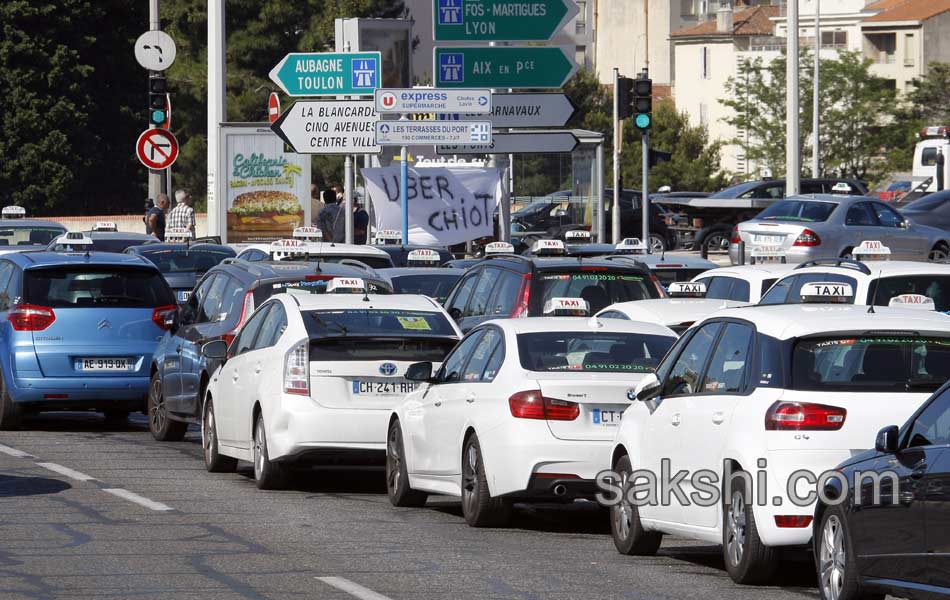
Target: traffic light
point(643, 102)
point(157, 108)
point(623, 96)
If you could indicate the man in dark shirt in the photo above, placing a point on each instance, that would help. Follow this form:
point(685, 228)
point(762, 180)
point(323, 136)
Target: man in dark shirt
point(360, 223)
point(155, 223)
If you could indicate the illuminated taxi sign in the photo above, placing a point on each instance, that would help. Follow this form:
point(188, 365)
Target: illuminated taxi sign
point(566, 307)
point(631, 246)
point(13, 212)
point(577, 236)
point(499, 248)
point(548, 247)
point(841, 188)
point(423, 257)
point(308, 233)
point(684, 289)
point(177, 234)
point(913, 301)
point(828, 292)
point(388, 236)
point(762, 254)
point(871, 250)
point(346, 285)
point(105, 226)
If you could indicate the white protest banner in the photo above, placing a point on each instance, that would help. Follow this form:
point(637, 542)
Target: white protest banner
point(446, 206)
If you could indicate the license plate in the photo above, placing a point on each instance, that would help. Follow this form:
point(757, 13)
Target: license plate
point(768, 240)
point(105, 364)
point(369, 387)
point(606, 417)
point(183, 295)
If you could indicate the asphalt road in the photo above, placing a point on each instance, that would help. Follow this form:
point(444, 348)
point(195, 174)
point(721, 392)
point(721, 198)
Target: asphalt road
point(151, 523)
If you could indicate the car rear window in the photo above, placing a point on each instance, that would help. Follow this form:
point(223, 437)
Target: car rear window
point(378, 334)
point(936, 287)
point(28, 236)
point(436, 285)
point(599, 288)
point(95, 285)
point(374, 262)
point(592, 351)
point(116, 245)
point(669, 275)
point(798, 210)
point(313, 284)
point(186, 261)
point(871, 363)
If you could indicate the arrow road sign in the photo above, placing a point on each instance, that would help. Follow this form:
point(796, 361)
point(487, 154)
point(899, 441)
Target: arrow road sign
point(522, 110)
point(433, 101)
point(329, 127)
point(327, 73)
point(155, 50)
point(157, 149)
point(503, 66)
point(500, 20)
point(407, 133)
point(525, 142)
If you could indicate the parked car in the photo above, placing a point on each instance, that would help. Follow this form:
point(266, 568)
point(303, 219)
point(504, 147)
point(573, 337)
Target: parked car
point(434, 283)
point(102, 241)
point(631, 220)
point(182, 265)
point(742, 283)
point(325, 252)
point(399, 253)
point(19, 233)
point(933, 210)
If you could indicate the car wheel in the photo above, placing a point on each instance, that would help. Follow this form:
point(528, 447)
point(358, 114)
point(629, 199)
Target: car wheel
point(214, 462)
point(9, 412)
point(837, 569)
point(939, 253)
point(629, 536)
point(716, 242)
point(268, 474)
point(478, 507)
point(162, 427)
point(657, 244)
point(397, 474)
point(747, 559)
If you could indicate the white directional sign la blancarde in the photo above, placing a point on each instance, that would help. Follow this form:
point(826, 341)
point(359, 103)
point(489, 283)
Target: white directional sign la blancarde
point(411, 133)
point(433, 101)
point(329, 127)
point(328, 73)
point(523, 142)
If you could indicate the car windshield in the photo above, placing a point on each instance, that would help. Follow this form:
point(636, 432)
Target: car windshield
point(532, 208)
point(599, 288)
point(434, 285)
point(936, 287)
point(592, 351)
point(894, 362)
point(798, 210)
point(932, 202)
point(186, 260)
point(28, 236)
point(96, 285)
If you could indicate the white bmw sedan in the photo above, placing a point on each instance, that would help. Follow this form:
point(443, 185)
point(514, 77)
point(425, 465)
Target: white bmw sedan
point(522, 409)
point(314, 376)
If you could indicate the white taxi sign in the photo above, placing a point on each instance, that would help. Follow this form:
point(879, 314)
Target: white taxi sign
point(287, 243)
point(388, 236)
point(685, 289)
point(577, 235)
point(548, 247)
point(566, 307)
point(177, 233)
point(841, 187)
point(13, 212)
point(631, 246)
point(871, 250)
point(105, 226)
point(74, 239)
point(308, 233)
point(827, 292)
point(499, 248)
point(346, 285)
point(762, 254)
point(918, 301)
point(426, 256)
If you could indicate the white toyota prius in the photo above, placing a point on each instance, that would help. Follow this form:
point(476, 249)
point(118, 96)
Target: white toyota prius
point(522, 409)
point(310, 377)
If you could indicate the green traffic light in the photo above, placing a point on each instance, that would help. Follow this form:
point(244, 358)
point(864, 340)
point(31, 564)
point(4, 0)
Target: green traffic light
point(158, 117)
point(643, 121)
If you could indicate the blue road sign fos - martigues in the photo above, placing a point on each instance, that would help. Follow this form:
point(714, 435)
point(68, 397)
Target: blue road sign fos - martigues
point(328, 73)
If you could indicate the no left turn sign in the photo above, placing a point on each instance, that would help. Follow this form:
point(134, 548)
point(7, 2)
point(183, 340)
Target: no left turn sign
point(157, 149)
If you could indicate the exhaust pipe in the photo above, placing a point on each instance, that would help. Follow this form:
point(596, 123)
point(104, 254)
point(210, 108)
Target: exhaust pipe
point(560, 489)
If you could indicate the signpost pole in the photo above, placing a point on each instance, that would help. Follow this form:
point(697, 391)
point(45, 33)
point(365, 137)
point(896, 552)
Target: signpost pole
point(217, 203)
point(615, 212)
point(156, 179)
point(404, 192)
point(348, 196)
point(792, 147)
point(646, 194)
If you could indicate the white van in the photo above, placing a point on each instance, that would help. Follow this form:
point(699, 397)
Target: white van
point(925, 157)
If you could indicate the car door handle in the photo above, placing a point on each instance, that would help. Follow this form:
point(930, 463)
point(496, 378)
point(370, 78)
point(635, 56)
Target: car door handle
point(675, 419)
point(437, 403)
point(234, 376)
point(257, 369)
point(718, 417)
point(470, 398)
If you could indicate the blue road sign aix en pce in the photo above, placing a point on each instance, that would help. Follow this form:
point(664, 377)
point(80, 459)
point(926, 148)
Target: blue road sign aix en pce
point(328, 73)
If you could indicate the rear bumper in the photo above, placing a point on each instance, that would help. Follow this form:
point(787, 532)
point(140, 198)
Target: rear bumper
point(75, 392)
point(301, 429)
point(793, 255)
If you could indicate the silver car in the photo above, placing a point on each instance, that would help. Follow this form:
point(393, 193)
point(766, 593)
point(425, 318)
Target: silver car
point(822, 225)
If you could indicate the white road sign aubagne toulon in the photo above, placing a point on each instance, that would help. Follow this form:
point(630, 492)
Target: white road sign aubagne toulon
point(329, 127)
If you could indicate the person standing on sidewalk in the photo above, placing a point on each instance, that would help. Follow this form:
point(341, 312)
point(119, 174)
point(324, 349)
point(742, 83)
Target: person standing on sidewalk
point(183, 215)
point(155, 221)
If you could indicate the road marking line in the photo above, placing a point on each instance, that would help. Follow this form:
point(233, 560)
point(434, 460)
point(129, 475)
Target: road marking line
point(14, 452)
point(353, 589)
point(65, 471)
point(140, 500)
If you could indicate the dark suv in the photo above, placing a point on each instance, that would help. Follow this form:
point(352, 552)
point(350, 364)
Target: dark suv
point(222, 301)
point(511, 286)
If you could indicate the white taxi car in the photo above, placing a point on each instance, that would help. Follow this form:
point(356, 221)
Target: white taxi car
point(685, 306)
point(309, 377)
point(743, 283)
point(522, 409)
point(753, 395)
point(311, 249)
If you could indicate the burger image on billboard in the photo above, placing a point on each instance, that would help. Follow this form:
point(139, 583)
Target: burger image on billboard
point(264, 215)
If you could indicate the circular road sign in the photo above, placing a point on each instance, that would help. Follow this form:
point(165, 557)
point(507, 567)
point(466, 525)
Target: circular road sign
point(155, 50)
point(157, 149)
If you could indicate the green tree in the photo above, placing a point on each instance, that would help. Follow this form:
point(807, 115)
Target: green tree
point(929, 98)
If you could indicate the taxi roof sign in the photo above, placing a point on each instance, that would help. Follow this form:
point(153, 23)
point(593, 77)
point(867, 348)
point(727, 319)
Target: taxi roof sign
point(346, 285)
point(74, 238)
point(280, 245)
point(389, 236)
point(763, 254)
point(105, 226)
point(549, 247)
point(687, 289)
point(13, 212)
point(499, 248)
point(831, 292)
point(177, 233)
point(577, 235)
point(841, 186)
point(427, 256)
point(918, 301)
point(308, 233)
point(871, 250)
point(566, 307)
point(631, 246)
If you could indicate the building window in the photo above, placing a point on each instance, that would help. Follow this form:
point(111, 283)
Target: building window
point(704, 66)
point(834, 39)
point(882, 47)
point(910, 49)
point(580, 23)
point(703, 114)
point(687, 8)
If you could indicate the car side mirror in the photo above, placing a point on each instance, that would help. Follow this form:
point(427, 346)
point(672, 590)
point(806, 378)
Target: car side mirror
point(173, 320)
point(215, 349)
point(887, 440)
point(648, 388)
point(455, 313)
point(420, 371)
point(906, 223)
point(560, 213)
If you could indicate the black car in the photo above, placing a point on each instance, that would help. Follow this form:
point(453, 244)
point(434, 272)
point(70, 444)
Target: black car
point(932, 210)
point(399, 253)
point(182, 265)
point(631, 220)
point(899, 543)
point(222, 301)
point(434, 283)
point(508, 286)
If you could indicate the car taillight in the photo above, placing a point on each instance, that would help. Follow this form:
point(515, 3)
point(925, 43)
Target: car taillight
point(792, 521)
point(160, 315)
point(807, 238)
point(297, 369)
point(659, 286)
point(804, 416)
point(735, 238)
point(521, 306)
point(246, 310)
point(532, 405)
point(29, 317)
